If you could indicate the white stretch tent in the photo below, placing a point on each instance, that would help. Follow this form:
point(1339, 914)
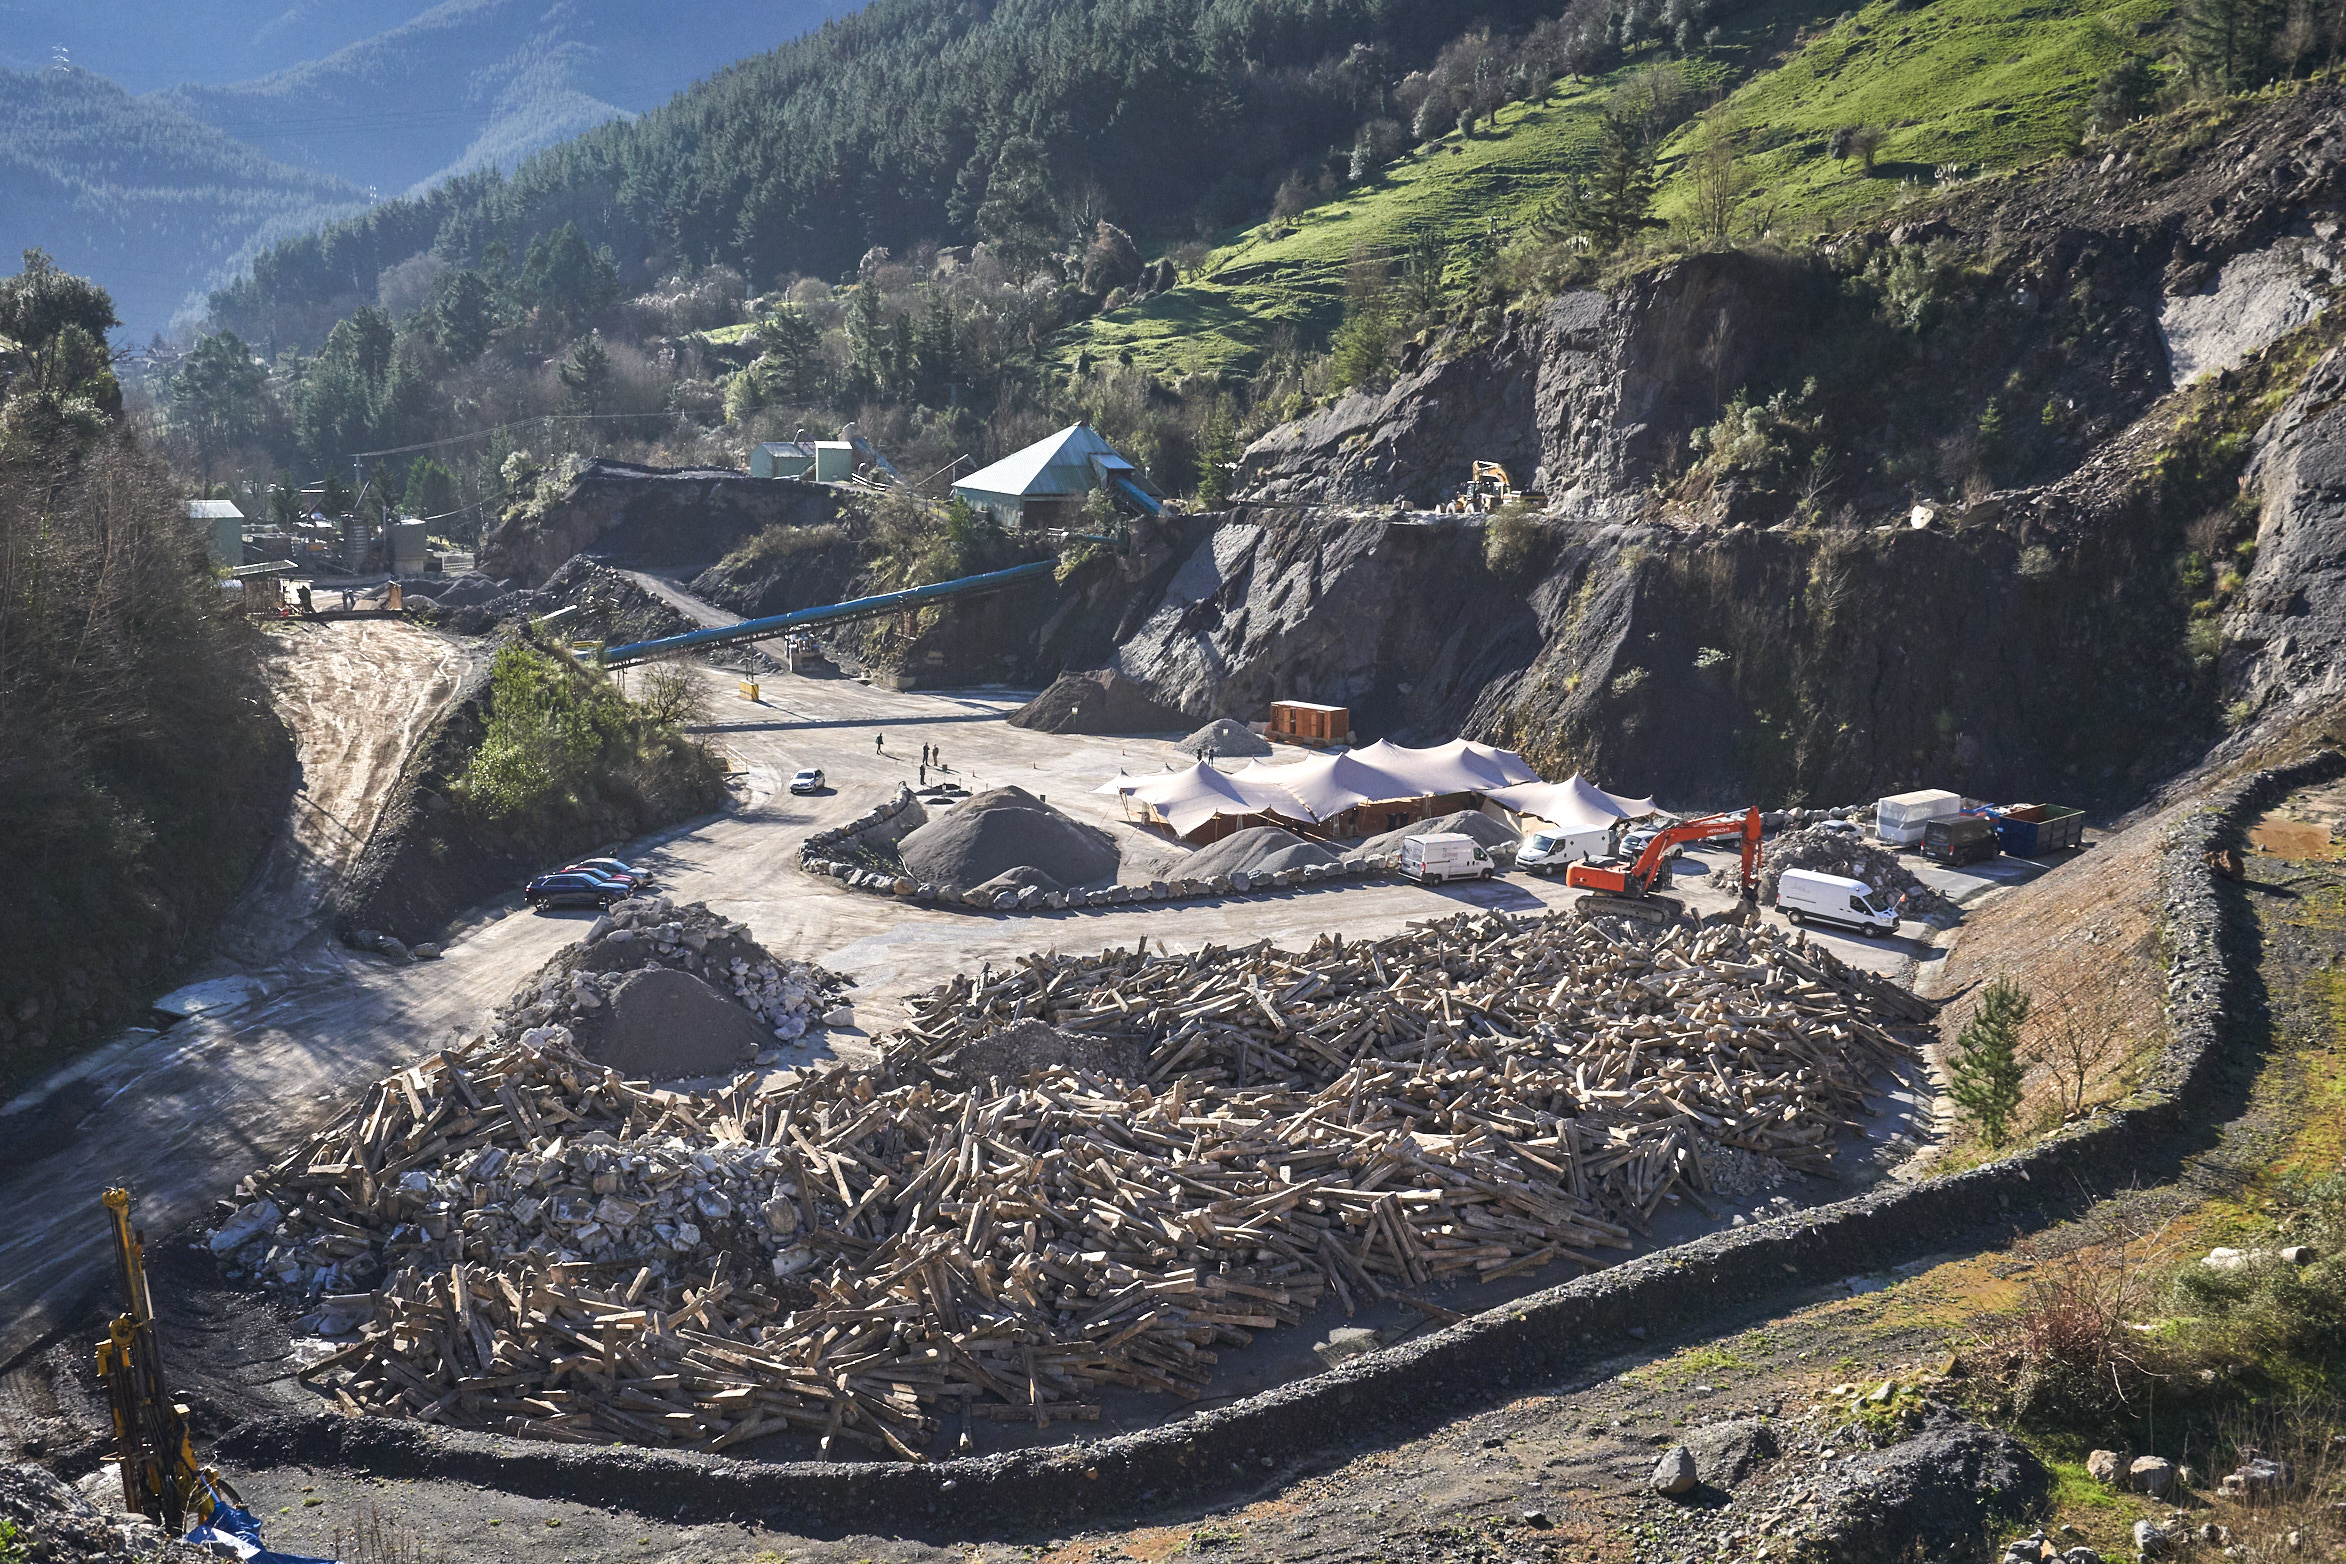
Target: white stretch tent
point(1575, 804)
point(1196, 795)
point(1323, 788)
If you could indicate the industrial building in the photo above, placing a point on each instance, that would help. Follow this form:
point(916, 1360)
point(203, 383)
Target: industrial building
point(222, 527)
point(1045, 485)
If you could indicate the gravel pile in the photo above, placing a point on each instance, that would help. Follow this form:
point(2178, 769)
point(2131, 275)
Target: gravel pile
point(1467, 822)
point(1261, 849)
point(1003, 829)
point(1837, 852)
point(57, 1525)
point(1100, 702)
point(1226, 737)
point(578, 987)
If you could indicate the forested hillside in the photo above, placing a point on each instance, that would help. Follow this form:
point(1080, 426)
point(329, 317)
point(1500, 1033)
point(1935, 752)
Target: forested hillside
point(141, 767)
point(1009, 120)
point(129, 190)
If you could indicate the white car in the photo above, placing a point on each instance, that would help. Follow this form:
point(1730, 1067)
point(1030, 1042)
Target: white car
point(808, 781)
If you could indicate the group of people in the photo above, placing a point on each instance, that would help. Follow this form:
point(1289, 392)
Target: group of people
point(929, 756)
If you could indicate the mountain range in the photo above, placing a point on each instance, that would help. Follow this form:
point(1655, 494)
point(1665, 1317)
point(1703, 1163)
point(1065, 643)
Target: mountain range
point(156, 147)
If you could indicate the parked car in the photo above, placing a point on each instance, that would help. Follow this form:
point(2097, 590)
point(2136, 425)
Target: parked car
point(1445, 855)
point(1545, 852)
point(808, 781)
point(1805, 896)
point(1846, 828)
point(572, 889)
point(1959, 839)
point(611, 869)
point(1634, 843)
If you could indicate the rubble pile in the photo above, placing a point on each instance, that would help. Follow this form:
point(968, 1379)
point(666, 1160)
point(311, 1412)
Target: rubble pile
point(650, 933)
point(1838, 852)
point(1199, 1147)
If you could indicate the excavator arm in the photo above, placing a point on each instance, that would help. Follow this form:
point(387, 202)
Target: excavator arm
point(1629, 888)
point(160, 1477)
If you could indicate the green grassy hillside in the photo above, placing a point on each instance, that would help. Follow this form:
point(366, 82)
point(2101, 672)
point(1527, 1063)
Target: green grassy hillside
point(1982, 84)
point(1989, 84)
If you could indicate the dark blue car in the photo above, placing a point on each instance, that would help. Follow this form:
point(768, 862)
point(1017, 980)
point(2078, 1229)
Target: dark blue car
point(574, 888)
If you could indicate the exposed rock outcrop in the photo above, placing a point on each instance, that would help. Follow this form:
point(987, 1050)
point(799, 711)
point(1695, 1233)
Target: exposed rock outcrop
point(2289, 631)
point(664, 516)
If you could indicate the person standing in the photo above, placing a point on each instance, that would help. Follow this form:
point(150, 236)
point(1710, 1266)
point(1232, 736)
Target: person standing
point(880, 743)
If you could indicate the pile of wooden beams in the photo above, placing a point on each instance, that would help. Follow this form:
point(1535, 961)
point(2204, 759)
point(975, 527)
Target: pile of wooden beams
point(862, 1253)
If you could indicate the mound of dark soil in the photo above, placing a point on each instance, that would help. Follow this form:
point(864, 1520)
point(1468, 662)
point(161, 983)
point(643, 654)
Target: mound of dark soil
point(1004, 829)
point(1100, 702)
point(664, 1025)
point(1261, 849)
point(1022, 1048)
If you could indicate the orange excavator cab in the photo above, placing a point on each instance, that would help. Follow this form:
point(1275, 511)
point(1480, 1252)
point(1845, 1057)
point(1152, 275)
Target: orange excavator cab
point(1628, 889)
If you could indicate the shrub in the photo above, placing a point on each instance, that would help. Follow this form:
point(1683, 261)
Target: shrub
point(1513, 541)
point(562, 743)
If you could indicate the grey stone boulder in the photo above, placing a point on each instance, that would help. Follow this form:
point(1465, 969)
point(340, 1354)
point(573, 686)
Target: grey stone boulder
point(1726, 1453)
point(1675, 1473)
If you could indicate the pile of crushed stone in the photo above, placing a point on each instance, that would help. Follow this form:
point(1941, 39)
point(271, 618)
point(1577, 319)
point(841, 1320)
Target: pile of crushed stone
point(1466, 822)
point(662, 992)
point(1005, 829)
point(1837, 852)
point(1225, 738)
point(1103, 701)
point(1260, 849)
point(56, 1524)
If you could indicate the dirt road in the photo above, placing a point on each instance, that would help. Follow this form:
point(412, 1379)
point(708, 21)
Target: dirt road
point(358, 694)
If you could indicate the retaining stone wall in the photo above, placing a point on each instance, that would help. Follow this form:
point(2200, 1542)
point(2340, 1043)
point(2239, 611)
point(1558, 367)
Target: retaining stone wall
point(1532, 1342)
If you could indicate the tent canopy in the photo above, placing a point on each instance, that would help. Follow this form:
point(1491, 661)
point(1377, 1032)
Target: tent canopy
point(1576, 804)
point(1325, 786)
point(1188, 798)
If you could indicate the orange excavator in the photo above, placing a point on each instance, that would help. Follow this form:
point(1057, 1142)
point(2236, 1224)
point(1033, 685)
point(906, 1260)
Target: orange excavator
point(1628, 889)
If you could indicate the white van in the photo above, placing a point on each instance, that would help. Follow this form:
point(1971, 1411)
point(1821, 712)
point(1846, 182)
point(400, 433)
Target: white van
point(1804, 894)
point(1550, 849)
point(1446, 855)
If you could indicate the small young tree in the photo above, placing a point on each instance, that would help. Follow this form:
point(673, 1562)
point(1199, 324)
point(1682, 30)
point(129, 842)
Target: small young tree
point(672, 694)
point(1720, 178)
point(2076, 1045)
point(1865, 141)
point(1986, 1069)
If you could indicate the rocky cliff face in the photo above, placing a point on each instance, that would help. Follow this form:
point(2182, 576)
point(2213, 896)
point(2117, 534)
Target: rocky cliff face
point(653, 517)
point(2288, 636)
point(1990, 549)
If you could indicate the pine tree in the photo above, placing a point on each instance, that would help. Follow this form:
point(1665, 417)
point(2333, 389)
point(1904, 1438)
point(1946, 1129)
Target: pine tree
point(1986, 1069)
point(1615, 198)
point(586, 375)
point(2226, 42)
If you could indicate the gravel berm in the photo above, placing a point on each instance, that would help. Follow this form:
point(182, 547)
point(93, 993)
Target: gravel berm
point(1264, 849)
point(1003, 829)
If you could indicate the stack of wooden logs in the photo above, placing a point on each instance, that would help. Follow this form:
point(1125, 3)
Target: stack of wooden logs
point(1470, 1100)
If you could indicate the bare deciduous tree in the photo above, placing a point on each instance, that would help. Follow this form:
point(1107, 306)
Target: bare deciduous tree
point(673, 694)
